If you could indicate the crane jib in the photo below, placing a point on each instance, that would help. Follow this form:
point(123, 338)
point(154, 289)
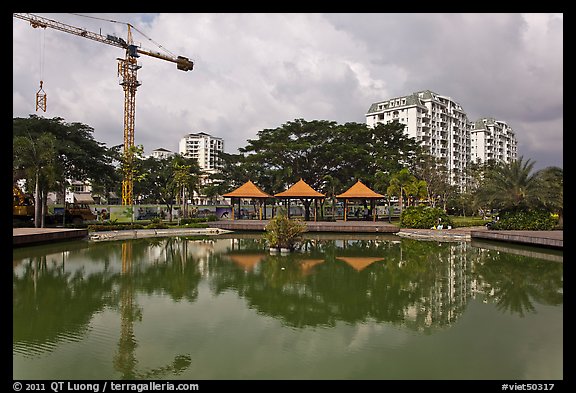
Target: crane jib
point(126, 66)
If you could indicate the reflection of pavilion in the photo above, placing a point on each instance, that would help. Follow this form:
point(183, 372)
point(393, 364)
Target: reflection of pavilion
point(307, 264)
point(360, 263)
point(246, 261)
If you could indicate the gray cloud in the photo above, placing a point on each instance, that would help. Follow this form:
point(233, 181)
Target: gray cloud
point(256, 71)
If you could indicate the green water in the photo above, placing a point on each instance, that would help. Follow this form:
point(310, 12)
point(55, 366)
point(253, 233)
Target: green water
point(223, 308)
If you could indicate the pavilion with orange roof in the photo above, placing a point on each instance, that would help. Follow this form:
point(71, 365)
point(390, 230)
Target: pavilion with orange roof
point(360, 191)
point(301, 190)
point(248, 190)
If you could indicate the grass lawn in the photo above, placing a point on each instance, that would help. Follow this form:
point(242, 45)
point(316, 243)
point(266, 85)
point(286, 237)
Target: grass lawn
point(460, 221)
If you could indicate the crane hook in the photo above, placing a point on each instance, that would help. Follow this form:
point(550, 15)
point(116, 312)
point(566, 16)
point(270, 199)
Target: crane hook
point(41, 98)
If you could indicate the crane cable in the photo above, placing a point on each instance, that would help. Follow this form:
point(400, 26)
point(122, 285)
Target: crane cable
point(41, 94)
point(130, 26)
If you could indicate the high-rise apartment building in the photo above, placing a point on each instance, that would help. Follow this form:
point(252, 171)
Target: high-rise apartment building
point(204, 148)
point(442, 127)
point(492, 139)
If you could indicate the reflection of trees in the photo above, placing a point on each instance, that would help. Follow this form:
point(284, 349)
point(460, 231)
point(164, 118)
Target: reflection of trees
point(176, 275)
point(515, 282)
point(416, 283)
point(50, 303)
point(125, 360)
point(384, 290)
point(421, 285)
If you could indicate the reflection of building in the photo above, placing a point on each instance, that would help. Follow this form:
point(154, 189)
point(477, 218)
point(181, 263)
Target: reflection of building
point(447, 297)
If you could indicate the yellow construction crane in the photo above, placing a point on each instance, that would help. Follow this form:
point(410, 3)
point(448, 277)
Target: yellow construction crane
point(127, 69)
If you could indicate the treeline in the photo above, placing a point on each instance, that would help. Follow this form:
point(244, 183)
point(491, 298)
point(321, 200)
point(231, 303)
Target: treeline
point(328, 156)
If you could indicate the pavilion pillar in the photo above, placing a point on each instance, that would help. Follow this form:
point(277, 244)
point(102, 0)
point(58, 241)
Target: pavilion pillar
point(315, 208)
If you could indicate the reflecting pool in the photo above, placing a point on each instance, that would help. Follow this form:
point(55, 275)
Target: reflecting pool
point(222, 307)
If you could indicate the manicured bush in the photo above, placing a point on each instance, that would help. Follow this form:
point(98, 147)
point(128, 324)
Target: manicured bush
point(194, 220)
point(156, 225)
point(284, 232)
point(525, 221)
point(114, 227)
point(423, 217)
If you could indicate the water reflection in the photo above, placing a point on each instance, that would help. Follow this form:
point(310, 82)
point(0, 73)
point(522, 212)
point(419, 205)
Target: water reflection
point(421, 286)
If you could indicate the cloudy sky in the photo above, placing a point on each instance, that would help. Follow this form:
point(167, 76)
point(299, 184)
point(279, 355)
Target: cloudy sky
point(254, 71)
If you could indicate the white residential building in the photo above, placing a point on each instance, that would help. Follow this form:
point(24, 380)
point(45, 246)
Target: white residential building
point(442, 127)
point(77, 192)
point(204, 148)
point(161, 153)
point(493, 139)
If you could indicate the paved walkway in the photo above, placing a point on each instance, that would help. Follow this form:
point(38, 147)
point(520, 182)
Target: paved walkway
point(30, 236)
point(550, 239)
point(454, 234)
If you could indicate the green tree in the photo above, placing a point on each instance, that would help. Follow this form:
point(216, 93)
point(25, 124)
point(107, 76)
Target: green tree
point(329, 187)
point(313, 150)
point(434, 172)
point(186, 177)
point(515, 186)
point(400, 183)
point(392, 149)
point(417, 190)
point(552, 179)
point(166, 178)
point(36, 159)
point(78, 155)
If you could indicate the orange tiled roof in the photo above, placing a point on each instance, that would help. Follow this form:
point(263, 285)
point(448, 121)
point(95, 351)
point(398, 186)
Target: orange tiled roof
point(359, 190)
point(299, 190)
point(247, 190)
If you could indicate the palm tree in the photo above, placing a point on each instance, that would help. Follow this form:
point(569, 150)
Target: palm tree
point(38, 159)
point(553, 183)
point(399, 184)
point(330, 184)
point(513, 186)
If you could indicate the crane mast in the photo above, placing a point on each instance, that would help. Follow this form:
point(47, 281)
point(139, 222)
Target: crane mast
point(128, 71)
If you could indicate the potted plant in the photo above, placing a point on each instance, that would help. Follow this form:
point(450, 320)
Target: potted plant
point(284, 233)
